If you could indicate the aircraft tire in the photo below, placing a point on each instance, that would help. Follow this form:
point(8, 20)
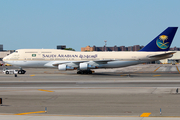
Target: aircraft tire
point(84, 72)
point(19, 72)
point(23, 71)
point(7, 72)
point(90, 72)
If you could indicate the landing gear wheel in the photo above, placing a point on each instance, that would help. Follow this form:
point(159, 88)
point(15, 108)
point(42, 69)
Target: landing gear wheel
point(90, 72)
point(21, 72)
point(84, 72)
point(7, 72)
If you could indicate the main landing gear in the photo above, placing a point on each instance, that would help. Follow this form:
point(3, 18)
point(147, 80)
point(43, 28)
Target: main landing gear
point(84, 72)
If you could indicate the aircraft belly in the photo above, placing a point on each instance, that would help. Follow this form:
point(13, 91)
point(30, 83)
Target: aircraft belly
point(28, 63)
point(116, 64)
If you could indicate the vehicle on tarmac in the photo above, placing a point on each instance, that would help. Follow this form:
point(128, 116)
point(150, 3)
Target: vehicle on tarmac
point(6, 71)
point(11, 71)
point(83, 62)
point(1, 63)
point(8, 64)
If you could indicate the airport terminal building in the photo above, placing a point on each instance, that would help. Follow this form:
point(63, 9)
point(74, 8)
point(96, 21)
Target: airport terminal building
point(4, 53)
point(174, 59)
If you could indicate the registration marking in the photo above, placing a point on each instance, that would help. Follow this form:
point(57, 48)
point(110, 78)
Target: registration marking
point(45, 90)
point(30, 113)
point(145, 115)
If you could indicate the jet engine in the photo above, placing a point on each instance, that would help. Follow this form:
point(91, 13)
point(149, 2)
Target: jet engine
point(86, 66)
point(65, 67)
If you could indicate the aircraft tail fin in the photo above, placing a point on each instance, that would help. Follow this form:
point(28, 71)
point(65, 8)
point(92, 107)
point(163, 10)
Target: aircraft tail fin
point(162, 42)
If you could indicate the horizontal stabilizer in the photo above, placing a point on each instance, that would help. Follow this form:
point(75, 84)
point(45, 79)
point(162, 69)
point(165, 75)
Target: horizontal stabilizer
point(162, 55)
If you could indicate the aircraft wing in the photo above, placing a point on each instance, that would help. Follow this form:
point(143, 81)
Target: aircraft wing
point(78, 62)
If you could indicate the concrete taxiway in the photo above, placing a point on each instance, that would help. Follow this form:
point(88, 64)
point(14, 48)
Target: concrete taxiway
point(112, 94)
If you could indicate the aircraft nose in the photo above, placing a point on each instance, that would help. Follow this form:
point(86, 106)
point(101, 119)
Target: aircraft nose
point(4, 59)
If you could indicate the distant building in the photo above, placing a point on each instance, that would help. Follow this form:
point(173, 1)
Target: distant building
point(122, 48)
point(174, 59)
point(137, 47)
point(5, 53)
point(1, 47)
point(115, 48)
point(87, 48)
point(174, 49)
point(130, 48)
point(61, 47)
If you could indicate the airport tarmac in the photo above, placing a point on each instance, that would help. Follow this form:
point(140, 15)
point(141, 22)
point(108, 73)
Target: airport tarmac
point(123, 92)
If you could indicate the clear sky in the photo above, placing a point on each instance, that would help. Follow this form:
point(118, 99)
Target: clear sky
point(78, 23)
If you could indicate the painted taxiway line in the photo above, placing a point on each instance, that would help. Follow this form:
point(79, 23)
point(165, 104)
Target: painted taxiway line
point(145, 115)
point(111, 81)
point(94, 82)
point(45, 90)
point(156, 69)
point(33, 88)
point(89, 116)
point(30, 113)
point(177, 69)
point(156, 75)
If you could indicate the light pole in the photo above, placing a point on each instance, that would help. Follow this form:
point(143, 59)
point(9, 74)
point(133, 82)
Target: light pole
point(105, 44)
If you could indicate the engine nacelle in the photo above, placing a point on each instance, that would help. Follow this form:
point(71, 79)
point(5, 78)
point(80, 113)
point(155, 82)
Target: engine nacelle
point(65, 67)
point(85, 66)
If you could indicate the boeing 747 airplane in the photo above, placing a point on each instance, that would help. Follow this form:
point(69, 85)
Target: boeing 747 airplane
point(83, 62)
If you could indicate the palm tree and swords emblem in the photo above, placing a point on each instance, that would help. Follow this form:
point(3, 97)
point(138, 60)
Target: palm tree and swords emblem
point(161, 42)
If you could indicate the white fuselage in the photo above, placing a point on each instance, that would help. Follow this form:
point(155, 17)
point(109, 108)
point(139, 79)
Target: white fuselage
point(52, 58)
